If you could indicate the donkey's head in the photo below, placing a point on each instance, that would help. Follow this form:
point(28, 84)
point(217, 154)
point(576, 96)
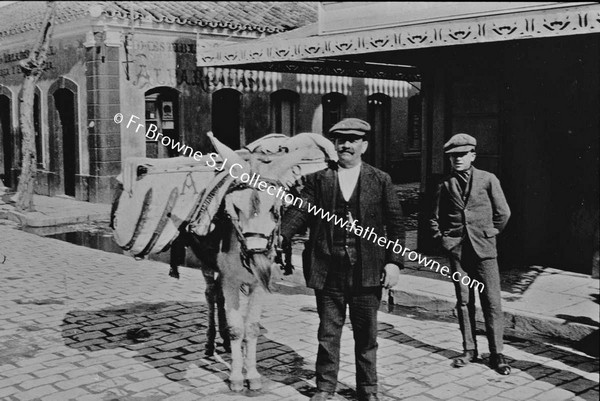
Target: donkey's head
point(255, 218)
point(256, 214)
point(253, 202)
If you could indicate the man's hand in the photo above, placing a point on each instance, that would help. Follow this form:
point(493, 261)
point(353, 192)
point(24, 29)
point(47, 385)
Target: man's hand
point(391, 275)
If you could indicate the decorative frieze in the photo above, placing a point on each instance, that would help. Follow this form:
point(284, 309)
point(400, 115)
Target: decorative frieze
point(568, 20)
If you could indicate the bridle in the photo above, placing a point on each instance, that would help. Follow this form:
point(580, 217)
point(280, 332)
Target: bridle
point(245, 252)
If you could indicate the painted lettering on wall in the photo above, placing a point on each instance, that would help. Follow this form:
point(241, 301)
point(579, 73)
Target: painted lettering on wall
point(148, 73)
point(158, 46)
point(16, 69)
point(16, 56)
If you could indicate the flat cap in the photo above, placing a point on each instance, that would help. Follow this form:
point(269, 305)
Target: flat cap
point(460, 143)
point(352, 126)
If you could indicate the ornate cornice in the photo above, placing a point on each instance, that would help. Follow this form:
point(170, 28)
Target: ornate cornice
point(568, 20)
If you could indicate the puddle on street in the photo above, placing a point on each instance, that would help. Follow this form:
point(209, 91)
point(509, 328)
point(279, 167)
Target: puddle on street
point(94, 235)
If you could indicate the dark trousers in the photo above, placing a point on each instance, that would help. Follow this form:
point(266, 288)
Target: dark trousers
point(465, 261)
point(363, 304)
point(215, 300)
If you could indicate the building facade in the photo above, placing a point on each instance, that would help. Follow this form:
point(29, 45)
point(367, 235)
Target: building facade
point(140, 60)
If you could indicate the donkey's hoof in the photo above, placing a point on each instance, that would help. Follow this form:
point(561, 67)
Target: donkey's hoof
point(236, 385)
point(255, 384)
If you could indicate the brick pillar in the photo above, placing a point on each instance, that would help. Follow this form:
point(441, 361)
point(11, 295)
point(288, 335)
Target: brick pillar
point(102, 73)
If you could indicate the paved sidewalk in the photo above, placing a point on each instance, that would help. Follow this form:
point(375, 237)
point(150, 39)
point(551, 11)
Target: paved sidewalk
point(53, 211)
point(67, 314)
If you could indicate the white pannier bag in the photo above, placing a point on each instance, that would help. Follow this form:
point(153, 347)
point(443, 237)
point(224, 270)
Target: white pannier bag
point(158, 195)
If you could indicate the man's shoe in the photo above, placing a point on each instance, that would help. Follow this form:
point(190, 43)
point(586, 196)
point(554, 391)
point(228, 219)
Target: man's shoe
point(466, 358)
point(498, 362)
point(369, 397)
point(174, 272)
point(321, 396)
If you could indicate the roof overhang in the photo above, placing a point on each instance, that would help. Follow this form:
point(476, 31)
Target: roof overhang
point(304, 50)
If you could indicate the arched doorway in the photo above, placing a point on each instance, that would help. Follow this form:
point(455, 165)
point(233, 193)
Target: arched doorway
point(37, 127)
point(226, 118)
point(64, 129)
point(6, 151)
point(162, 110)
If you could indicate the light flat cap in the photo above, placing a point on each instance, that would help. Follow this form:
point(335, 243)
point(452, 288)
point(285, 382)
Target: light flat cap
point(350, 126)
point(460, 143)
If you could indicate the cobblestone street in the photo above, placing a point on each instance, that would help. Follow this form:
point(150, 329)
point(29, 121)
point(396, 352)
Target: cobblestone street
point(82, 324)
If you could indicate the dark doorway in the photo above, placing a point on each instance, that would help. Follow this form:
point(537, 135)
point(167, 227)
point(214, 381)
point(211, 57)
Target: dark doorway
point(284, 111)
point(64, 101)
point(6, 152)
point(39, 143)
point(226, 119)
point(334, 110)
point(379, 107)
point(162, 110)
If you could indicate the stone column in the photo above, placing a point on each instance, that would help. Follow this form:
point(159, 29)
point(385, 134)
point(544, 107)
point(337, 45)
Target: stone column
point(102, 71)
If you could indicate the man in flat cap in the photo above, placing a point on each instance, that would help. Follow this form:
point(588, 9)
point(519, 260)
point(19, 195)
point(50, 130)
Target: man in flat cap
point(470, 210)
point(344, 266)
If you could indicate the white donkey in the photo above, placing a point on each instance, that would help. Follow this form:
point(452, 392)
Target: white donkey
point(248, 251)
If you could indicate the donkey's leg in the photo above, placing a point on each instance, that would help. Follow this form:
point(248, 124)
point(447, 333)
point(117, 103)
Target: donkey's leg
point(221, 315)
point(255, 301)
point(235, 320)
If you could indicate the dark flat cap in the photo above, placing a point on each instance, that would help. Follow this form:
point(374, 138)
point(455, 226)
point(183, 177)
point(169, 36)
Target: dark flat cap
point(352, 126)
point(460, 143)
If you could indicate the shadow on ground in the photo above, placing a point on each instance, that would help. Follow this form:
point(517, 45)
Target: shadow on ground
point(171, 336)
point(559, 378)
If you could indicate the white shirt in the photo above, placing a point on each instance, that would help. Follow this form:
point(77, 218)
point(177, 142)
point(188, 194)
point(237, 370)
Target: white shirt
point(348, 178)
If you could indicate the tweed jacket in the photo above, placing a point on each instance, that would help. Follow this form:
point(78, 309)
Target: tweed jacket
point(379, 208)
point(481, 216)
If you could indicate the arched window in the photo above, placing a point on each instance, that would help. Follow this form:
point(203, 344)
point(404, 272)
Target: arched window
point(162, 110)
point(226, 116)
point(379, 110)
point(284, 110)
point(334, 109)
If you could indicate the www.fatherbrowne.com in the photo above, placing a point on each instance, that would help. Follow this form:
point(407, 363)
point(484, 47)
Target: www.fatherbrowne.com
point(289, 199)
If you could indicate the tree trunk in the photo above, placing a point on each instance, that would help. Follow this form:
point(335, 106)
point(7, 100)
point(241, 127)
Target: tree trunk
point(32, 68)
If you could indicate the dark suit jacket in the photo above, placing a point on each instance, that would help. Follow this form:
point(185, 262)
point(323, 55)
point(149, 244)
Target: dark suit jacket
point(484, 214)
point(379, 206)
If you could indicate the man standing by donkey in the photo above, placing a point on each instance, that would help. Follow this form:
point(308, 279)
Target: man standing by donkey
point(470, 210)
point(343, 267)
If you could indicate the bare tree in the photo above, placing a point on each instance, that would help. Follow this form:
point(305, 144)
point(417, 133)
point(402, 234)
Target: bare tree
point(32, 68)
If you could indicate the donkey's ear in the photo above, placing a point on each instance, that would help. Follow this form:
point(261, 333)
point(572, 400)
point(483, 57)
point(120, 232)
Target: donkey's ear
point(308, 153)
point(227, 153)
point(283, 170)
point(317, 142)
